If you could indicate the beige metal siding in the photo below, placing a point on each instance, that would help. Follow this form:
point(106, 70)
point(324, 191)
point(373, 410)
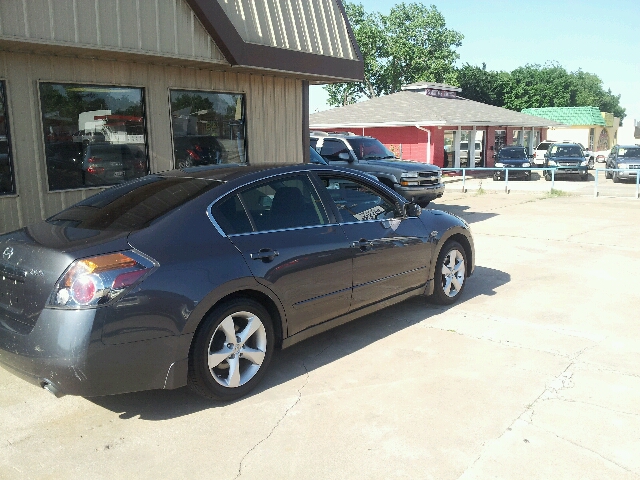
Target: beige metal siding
point(274, 119)
point(158, 27)
point(313, 26)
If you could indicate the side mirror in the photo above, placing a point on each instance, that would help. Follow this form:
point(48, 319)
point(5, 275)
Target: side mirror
point(531, 155)
point(412, 210)
point(345, 156)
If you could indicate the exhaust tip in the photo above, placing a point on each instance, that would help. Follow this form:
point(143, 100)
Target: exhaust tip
point(50, 387)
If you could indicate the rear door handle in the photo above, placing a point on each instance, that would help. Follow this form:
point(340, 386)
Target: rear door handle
point(265, 254)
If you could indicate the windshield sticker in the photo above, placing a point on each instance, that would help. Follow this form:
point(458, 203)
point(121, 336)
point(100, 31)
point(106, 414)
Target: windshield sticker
point(370, 214)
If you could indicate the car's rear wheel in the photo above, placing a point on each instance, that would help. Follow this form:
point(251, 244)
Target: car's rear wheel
point(424, 203)
point(547, 177)
point(231, 350)
point(607, 174)
point(450, 274)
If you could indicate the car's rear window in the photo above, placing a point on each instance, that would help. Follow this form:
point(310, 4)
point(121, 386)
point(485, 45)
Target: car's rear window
point(134, 205)
point(543, 146)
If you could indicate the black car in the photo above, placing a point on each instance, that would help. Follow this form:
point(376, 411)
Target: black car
point(195, 277)
point(111, 163)
point(566, 159)
point(198, 150)
point(625, 159)
point(512, 158)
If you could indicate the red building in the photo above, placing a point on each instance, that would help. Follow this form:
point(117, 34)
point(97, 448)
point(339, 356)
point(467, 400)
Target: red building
point(430, 122)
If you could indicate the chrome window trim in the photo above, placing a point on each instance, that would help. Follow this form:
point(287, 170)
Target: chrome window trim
point(283, 230)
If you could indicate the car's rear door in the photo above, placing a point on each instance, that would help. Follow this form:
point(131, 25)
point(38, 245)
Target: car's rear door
point(292, 245)
point(391, 252)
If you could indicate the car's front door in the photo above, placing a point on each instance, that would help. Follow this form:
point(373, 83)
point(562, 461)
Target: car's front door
point(292, 246)
point(391, 252)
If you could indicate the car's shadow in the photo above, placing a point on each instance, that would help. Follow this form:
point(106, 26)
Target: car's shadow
point(463, 211)
point(305, 356)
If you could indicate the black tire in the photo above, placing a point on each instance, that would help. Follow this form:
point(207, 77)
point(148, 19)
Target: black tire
point(423, 203)
point(212, 334)
point(591, 163)
point(527, 177)
point(607, 175)
point(616, 178)
point(496, 177)
point(547, 177)
point(440, 296)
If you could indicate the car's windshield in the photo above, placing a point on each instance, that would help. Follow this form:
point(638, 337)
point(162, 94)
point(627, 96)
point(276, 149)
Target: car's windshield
point(369, 149)
point(566, 151)
point(512, 153)
point(629, 152)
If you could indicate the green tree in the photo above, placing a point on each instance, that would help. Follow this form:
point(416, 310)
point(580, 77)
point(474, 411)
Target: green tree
point(536, 86)
point(409, 45)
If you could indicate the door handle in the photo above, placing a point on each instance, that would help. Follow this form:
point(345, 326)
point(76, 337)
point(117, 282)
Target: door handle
point(264, 254)
point(362, 244)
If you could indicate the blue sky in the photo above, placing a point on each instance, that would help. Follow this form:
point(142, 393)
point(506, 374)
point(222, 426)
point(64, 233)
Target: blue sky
point(601, 37)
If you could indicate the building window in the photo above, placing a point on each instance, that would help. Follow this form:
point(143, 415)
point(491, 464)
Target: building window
point(603, 140)
point(93, 135)
point(592, 137)
point(208, 128)
point(7, 184)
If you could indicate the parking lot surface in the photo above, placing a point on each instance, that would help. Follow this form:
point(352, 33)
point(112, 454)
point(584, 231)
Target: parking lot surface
point(535, 373)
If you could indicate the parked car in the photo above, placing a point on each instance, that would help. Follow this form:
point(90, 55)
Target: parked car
point(196, 276)
point(197, 150)
point(464, 154)
point(566, 159)
point(109, 164)
point(314, 157)
point(626, 158)
point(540, 151)
point(417, 182)
point(589, 156)
point(514, 159)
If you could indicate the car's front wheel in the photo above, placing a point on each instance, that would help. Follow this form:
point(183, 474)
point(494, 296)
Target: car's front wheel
point(591, 163)
point(450, 274)
point(231, 350)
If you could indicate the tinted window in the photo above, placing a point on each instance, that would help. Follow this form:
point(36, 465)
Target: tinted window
point(231, 216)
point(289, 202)
point(77, 119)
point(315, 157)
point(512, 153)
point(7, 184)
point(358, 202)
point(566, 151)
point(208, 128)
point(369, 149)
point(629, 152)
point(331, 149)
point(134, 205)
point(543, 146)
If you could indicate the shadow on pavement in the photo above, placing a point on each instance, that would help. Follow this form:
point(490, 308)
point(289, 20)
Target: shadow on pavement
point(306, 356)
point(463, 212)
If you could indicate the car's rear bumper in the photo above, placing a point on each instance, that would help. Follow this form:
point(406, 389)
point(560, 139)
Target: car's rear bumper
point(421, 193)
point(64, 353)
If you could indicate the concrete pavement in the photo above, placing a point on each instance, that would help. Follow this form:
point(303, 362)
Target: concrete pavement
point(534, 374)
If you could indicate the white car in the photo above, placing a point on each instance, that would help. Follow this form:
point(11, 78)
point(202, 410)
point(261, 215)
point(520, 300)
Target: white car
point(541, 149)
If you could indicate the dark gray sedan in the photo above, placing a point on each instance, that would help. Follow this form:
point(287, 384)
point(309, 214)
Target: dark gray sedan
point(196, 276)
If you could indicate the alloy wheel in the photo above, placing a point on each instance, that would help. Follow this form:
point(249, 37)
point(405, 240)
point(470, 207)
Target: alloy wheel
point(453, 273)
point(237, 349)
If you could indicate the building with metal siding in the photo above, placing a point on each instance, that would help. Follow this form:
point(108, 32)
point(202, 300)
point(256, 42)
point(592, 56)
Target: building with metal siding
point(148, 54)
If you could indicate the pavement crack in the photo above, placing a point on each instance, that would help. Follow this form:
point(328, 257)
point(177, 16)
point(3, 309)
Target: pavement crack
point(299, 397)
point(597, 405)
point(575, 444)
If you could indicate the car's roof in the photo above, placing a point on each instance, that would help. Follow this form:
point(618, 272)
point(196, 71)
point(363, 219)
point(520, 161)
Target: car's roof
point(628, 146)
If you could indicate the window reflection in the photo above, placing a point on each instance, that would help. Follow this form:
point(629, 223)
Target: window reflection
point(208, 128)
point(93, 135)
point(7, 185)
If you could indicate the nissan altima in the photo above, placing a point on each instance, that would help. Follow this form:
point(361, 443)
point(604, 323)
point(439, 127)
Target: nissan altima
point(196, 276)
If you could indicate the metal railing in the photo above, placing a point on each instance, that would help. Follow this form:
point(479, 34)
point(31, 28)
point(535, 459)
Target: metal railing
point(598, 170)
point(552, 170)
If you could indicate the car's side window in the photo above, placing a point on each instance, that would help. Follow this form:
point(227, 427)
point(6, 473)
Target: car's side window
point(230, 214)
point(288, 202)
point(331, 149)
point(357, 202)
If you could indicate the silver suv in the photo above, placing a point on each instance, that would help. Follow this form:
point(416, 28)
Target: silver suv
point(417, 182)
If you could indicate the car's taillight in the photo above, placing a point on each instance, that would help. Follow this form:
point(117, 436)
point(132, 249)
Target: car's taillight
point(193, 155)
point(94, 281)
point(95, 170)
point(94, 160)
